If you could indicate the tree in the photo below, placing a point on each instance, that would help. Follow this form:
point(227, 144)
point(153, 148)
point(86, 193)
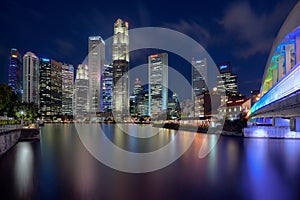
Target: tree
point(5, 95)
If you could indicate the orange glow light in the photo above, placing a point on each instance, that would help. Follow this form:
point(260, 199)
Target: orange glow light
point(154, 56)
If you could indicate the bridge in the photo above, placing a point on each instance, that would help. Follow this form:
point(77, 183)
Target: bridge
point(279, 106)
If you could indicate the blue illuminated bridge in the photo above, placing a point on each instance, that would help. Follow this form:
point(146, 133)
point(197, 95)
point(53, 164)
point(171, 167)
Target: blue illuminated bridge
point(279, 104)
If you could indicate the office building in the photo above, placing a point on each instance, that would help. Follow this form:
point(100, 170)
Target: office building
point(96, 59)
point(15, 73)
point(30, 78)
point(120, 57)
point(50, 89)
point(158, 84)
point(107, 88)
point(227, 82)
point(199, 76)
point(67, 89)
point(81, 93)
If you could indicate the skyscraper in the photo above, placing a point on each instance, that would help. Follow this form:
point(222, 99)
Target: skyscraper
point(199, 76)
point(67, 89)
point(96, 59)
point(121, 41)
point(107, 88)
point(120, 70)
point(50, 91)
point(15, 73)
point(82, 92)
point(30, 78)
point(158, 83)
point(227, 82)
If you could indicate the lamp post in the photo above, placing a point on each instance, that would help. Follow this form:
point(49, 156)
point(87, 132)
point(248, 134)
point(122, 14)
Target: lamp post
point(22, 117)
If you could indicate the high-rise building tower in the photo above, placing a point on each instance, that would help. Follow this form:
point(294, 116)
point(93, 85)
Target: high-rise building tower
point(107, 88)
point(227, 82)
point(82, 92)
point(120, 70)
point(96, 59)
point(67, 89)
point(199, 76)
point(30, 78)
point(158, 83)
point(50, 89)
point(121, 41)
point(15, 73)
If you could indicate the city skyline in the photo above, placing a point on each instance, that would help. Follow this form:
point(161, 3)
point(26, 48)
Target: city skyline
point(70, 46)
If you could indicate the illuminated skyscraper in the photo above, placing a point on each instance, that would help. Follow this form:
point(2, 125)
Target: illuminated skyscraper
point(50, 89)
point(96, 59)
point(120, 70)
point(158, 83)
point(121, 41)
point(15, 73)
point(82, 92)
point(107, 88)
point(30, 78)
point(199, 76)
point(227, 82)
point(67, 89)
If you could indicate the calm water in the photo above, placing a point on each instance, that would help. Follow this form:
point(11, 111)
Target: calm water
point(59, 167)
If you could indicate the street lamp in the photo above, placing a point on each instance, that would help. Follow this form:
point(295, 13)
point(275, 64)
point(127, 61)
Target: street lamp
point(22, 117)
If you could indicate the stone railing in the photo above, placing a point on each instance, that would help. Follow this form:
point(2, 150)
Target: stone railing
point(9, 137)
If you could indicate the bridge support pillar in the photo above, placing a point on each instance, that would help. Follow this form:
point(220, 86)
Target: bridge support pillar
point(277, 121)
point(295, 124)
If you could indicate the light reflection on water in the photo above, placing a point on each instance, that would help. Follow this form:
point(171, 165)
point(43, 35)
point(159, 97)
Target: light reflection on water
point(24, 170)
point(59, 167)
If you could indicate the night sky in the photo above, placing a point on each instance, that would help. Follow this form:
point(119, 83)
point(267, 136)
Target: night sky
point(238, 31)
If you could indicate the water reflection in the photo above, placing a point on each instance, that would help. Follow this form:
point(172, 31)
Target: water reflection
point(24, 169)
point(60, 167)
point(263, 174)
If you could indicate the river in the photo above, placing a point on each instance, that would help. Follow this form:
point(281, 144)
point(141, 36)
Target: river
point(60, 167)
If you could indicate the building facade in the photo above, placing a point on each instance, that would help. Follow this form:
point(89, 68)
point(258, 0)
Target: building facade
point(50, 89)
point(199, 76)
point(30, 78)
point(227, 82)
point(81, 93)
point(96, 59)
point(107, 88)
point(120, 57)
point(67, 89)
point(15, 73)
point(158, 84)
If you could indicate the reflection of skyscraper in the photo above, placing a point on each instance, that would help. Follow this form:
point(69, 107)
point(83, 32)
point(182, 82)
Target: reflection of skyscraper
point(15, 73)
point(120, 70)
point(199, 76)
point(30, 78)
point(107, 88)
point(67, 88)
point(81, 92)
point(158, 83)
point(95, 62)
point(50, 91)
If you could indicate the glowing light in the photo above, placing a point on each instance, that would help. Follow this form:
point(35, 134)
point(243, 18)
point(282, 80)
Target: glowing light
point(223, 67)
point(14, 56)
point(285, 87)
point(154, 56)
point(45, 60)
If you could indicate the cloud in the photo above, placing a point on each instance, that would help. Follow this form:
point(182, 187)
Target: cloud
point(192, 29)
point(254, 32)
